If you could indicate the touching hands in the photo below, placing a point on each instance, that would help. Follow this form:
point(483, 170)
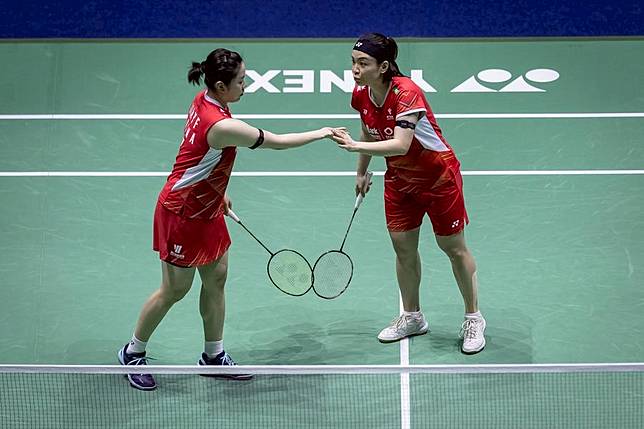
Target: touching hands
point(342, 137)
point(329, 132)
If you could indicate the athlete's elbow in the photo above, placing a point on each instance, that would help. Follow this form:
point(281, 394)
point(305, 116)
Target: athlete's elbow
point(402, 149)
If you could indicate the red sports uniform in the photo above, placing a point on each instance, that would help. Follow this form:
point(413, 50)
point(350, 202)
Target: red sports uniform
point(189, 226)
point(427, 179)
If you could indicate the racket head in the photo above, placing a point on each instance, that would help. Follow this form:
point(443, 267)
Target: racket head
point(290, 272)
point(332, 273)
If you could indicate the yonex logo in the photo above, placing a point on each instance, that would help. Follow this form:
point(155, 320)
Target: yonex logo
point(358, 44)
point(326, 81)
point(456, 223)
point(495, 80)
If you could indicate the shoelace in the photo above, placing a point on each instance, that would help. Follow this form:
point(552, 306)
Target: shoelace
point(140, 361)
point(227, 360)
point(469, 329)
point(402, 321)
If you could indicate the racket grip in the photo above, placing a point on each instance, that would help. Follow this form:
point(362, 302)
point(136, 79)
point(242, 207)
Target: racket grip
point(360, 197)
point(233, 216)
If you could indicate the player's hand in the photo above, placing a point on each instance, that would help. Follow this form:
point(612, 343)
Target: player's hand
point(228, 205)
point(363, 184)
point(344, 140)
point(328, 132)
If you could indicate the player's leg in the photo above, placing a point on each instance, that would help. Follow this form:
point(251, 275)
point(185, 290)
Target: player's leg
point(446, 210)
point(175, 283)
point(408, 266)
point(464, 269)
point(404, 218)
point(212, 302)
point(212, 306)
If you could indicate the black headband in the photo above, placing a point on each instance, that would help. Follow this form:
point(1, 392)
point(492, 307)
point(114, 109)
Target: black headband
point(379, 52)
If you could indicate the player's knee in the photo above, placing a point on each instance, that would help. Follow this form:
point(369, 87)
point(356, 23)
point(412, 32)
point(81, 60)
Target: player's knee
point(216, 280)
point(455, 252)
point(172, 294)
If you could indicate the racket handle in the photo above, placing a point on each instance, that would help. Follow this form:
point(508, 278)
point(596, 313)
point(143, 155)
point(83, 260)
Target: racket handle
point(360, 197)
point(233, 216)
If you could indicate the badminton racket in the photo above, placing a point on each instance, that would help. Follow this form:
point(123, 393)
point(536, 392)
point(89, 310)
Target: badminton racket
point(287, 269)
point(333, 270)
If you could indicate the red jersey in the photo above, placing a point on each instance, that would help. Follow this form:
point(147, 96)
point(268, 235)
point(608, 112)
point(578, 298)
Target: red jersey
point(196, 187)
point(429, 156)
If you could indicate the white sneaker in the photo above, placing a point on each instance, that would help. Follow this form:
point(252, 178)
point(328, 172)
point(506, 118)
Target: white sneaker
point(472, 333)
point(402, 327)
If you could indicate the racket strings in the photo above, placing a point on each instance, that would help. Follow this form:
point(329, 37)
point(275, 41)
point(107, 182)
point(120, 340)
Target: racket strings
point(333, 271)
point(290, 272)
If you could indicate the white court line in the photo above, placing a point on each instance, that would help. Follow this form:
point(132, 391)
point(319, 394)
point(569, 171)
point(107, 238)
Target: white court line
point(317, 173)
point(405, 419)
point(136, 116)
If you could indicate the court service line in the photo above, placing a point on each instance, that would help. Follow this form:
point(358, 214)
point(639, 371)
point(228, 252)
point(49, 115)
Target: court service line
point(405, 418)
point(172, 116)
point(317, 173)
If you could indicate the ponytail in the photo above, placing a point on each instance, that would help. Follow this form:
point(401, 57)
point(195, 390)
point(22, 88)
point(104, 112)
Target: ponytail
point(194, 75)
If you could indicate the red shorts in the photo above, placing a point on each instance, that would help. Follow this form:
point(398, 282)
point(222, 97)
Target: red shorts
point(444, 204)
point(189, 242)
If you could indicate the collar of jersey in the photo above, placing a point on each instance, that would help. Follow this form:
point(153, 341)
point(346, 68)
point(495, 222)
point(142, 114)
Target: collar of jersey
point(212, 100)
point(384, 99)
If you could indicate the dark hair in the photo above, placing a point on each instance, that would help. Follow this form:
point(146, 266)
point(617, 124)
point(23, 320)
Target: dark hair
point(388, 51)
point(220, 65)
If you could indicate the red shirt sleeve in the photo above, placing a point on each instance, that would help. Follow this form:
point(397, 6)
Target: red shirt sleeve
point(409, 100)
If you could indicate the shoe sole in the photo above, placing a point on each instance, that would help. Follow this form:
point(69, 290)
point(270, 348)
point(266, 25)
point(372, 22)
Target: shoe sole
point(233, 377)
point(134, 385)
point(408, 336)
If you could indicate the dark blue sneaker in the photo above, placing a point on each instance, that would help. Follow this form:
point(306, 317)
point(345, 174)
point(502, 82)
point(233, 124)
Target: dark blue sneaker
point(222, 359)
point(138, 381)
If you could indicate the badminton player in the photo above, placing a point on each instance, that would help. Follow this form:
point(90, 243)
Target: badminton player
point(422, 178)
point(189, 229)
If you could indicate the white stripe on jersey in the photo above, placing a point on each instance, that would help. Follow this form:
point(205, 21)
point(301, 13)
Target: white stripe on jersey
point(409, 112)
point(427, 137)
point(200, 171)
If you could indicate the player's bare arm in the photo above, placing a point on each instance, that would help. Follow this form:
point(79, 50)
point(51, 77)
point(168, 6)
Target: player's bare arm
point(363, 182)
point(233, 132)
point(398, 145)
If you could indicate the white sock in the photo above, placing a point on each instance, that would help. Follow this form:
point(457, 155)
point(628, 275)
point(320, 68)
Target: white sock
point(136, 345)
point(476, 315)
point(414, 314)
point(213, 348)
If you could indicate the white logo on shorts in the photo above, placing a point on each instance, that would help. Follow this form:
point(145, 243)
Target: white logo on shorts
point(177, 251)
point(456, 223)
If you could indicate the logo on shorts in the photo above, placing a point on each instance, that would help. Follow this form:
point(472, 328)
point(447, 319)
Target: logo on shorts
point(177, 251)
point(456, 223)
